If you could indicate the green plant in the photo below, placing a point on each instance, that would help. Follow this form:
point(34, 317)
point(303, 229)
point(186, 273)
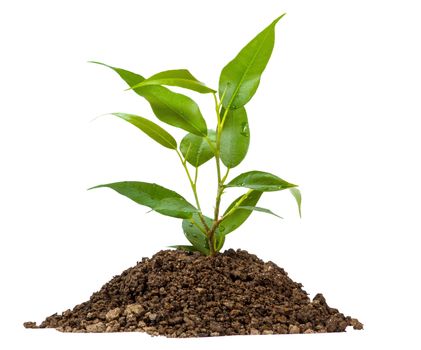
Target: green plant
point(228, 143)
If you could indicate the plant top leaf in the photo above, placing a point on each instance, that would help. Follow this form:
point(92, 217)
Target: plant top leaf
point(158, 198)
point(151, 129)
point(178, 77)
point(240, 78)
point(260, 181)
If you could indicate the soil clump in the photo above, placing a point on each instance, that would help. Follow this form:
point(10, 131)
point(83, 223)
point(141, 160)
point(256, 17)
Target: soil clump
point(185, 294)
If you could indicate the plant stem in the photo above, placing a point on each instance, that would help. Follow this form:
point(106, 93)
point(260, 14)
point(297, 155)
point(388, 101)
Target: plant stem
point(221, 180)
point(193, 186)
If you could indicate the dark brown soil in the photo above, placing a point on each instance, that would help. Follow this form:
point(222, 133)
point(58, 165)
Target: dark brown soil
point(182, 294)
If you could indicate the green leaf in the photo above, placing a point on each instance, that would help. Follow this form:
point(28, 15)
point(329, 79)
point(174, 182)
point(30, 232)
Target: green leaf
point(235, 217)
point(240, 78)
point(297, 195)
point(260, 181)
point(158, 198)
point(195, 235)
point(263, 210)
point(172, 108)
point(194, 232)
point(196, 149)
point(186, 248)
point(151, 129)
point(235, 137)
point(179, 77)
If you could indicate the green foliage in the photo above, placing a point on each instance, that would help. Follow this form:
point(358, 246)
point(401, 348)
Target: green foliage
point(180, 77)
point(240, 78)
point(234, 216)
point(235, 137)
point(227, 144)
point(150, 128)
point(195, 232)
point(197, 150)
point(158, 198)
point(170, 107)
point(260, 181)
point(297, 195)
point(262, 210)
point(174, 109)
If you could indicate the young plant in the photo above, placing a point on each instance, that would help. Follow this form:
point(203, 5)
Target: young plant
point(227, 143)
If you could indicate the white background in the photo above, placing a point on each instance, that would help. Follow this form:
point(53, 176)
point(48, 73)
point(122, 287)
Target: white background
point(337, 112)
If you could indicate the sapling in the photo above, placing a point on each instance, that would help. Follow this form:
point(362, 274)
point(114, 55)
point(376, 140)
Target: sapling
point(228, 144)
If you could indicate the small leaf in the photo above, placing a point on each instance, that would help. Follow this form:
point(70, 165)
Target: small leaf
point(179, 77)
point(260, 181)
point(235, 137)
point(238, 216)
point(240, 78)
point(195, 235)
point(263, 210)
point(196, 149)
point(151, 129)
point(172, 108)
point(297, 195)
point(158, 198)
point(186, 248)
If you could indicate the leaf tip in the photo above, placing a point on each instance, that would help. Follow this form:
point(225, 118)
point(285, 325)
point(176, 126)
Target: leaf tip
point(96, 62)
point(279, 18)
point(93, 187)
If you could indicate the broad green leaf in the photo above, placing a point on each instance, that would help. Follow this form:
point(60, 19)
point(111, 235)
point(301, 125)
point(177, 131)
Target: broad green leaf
point(297, 195)
point(263, 210)
point(196, 149)
point(237, 216)
point(158, 198)
point(179, 77)
point(240, 78)
point(172, 108)
point(186, 248)
point(195, 235)
point(151, 129)
point(235, 137)
point(260, 181)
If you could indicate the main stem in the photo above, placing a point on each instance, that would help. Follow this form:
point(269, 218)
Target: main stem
point(221, 180)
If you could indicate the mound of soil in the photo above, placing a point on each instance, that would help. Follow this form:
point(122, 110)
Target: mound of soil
point(183, 294)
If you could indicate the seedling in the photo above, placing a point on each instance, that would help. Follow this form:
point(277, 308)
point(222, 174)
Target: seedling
point(227, 144)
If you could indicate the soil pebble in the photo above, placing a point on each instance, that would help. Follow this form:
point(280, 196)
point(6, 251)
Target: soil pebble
point(185, 294)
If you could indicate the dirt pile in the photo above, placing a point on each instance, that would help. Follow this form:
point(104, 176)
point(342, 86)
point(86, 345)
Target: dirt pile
point(182, 294)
